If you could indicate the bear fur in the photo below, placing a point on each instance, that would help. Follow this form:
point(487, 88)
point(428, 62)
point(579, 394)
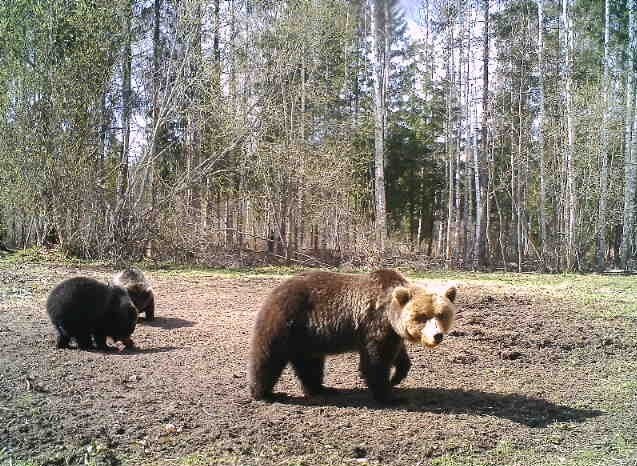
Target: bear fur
point(315, 314)
point(139, 290)
point(83, 309)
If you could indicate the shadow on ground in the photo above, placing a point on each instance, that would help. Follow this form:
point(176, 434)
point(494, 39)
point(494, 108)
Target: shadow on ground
point(134, 351)
point(168, 323)
point(526, 410)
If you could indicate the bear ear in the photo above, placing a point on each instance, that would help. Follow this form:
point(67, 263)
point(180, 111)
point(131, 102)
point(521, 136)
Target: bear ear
point(451, 293)
point(402, 295)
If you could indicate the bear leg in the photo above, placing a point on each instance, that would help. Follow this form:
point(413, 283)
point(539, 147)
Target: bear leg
point(84, 341)
point(150, 308)
point(263, 374)
point(100, 341)
point(402, 365)
point(62, 340)
point(309, 370)
point(375, 370)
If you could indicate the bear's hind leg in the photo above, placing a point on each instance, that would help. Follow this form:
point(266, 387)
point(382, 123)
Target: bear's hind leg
point(263, 374)
point(402, 365)
point(309, 370)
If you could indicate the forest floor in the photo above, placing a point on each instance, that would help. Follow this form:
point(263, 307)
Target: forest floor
point(538, 370)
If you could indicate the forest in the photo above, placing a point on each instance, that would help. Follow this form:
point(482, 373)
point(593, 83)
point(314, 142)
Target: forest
point(474, 134)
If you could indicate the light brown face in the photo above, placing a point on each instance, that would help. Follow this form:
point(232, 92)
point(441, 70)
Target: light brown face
point(425, 315)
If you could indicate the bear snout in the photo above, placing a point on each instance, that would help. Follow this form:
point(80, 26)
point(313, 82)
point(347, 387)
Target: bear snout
point(431, 340)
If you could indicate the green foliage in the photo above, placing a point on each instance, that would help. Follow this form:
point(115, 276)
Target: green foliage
point(58, 65)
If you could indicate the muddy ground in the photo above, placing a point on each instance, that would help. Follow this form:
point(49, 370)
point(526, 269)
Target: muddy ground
point(520, 375)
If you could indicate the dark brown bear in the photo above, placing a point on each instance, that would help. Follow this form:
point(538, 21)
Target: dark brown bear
point(318, 313)
point(139, 290)
point(85, 309)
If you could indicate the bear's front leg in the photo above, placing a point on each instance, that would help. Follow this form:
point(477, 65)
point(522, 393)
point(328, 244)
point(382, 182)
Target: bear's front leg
point(375, 366)
point(100, 341)
point(84, 341)
point(149, 308)
point(62, 340)
point(402, 365)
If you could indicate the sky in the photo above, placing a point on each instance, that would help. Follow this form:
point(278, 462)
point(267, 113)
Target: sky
point(410, 7)
point(411, 10)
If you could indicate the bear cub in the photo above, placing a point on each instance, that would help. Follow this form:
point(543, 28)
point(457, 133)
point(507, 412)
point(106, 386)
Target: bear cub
point(88, 311)
point(139, 290)
point(315, 314)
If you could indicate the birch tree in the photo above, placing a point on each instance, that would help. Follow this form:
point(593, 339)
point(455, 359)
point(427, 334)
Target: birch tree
point(566, 32)
point(480, 162)
point(540, 130)
point(603, 176)
point(630, 154)
point(378, 20)
point(127, 58)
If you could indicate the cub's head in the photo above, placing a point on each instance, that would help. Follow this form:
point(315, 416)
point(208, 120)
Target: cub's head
point(423, 315)
point(121, 314)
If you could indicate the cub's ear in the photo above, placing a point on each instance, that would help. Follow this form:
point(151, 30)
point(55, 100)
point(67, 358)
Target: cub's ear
point(402, 295)
point(451, 293)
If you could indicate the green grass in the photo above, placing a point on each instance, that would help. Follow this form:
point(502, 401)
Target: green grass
point(39, 255)
point(616, 450)
point(598, 296)
point(193, 271)
point(203, 459)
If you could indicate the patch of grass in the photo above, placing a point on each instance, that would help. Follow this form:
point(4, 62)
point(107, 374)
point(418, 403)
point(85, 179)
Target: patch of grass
point(9, 462)
point(617, 391)
point(180, 271)
point(38, 255)
point(599, 296)
point(614, 450)
point(457, 460)
point(208, 459)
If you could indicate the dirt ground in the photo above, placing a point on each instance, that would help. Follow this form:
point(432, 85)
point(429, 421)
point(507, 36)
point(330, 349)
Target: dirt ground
point(518, 374)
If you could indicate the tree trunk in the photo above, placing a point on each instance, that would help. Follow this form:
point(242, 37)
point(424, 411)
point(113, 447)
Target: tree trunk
point(122, 180)
point(570, 199)
point(378, 60)
point(603, 176)
point(479, 258)
point(155, 118)
point(630, 160)
point(540, 133)
point(449, 241)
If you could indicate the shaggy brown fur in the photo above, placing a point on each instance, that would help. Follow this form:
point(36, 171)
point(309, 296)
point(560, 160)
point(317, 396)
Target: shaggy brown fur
point(139, 290)
point(318, 313)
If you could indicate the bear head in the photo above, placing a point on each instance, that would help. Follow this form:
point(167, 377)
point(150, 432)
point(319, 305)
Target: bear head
point(121, 314)
point(423, 315)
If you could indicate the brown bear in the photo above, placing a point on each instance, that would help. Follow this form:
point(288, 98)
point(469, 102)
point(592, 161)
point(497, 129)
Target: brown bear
point(314, 314)
point(89, 311)
point(139, 290)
